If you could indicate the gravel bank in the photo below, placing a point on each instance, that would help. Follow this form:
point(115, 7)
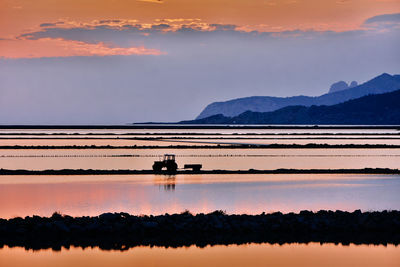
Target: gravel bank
point(122, 231)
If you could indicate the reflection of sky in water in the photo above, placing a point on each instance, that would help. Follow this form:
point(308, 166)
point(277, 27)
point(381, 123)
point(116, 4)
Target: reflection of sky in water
point(228, 159)
point(92, 195)
point(207, 131)
point(149, 194)
point(255, 255)
point(199, 140)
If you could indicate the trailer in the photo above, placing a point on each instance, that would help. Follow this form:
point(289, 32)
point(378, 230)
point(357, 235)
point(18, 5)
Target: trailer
point(194, 167)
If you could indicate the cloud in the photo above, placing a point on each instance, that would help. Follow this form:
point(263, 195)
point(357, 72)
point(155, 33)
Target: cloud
point(152, 1)
point(161, 26)
point(223, 27)
point(343, 1)
point(167, 33)
point(172, 36)
point(58, 47)
point(171, 20)
point(44, 25)
point(385, 21)
point(68, 24)
point(384, 18)
point(47, 25)
point(130, 32)
point(135, 30)
point(110, 21)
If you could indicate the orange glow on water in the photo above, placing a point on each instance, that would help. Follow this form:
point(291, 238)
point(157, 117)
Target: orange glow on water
point(151, 194)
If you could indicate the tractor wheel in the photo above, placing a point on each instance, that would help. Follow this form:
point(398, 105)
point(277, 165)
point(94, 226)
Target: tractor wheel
point(172, 167)
point(157, 167)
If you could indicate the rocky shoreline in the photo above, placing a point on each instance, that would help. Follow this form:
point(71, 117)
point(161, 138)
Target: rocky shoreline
point(120, 231)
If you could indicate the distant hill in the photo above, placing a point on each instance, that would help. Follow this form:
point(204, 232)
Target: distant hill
point(382, 109)
point(381, 84)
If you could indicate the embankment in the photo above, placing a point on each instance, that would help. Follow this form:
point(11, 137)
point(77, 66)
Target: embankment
point(122, 231)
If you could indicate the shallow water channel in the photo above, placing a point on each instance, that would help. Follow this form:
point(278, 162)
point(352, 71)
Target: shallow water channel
point(159, 194)
point(211, 159)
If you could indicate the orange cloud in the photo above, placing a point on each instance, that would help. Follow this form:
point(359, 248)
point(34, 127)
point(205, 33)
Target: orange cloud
point(152, 1)
point(48, 47)
point(336, 15)
point(118, 23)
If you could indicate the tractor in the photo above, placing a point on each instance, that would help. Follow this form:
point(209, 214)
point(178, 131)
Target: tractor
point(168, 162)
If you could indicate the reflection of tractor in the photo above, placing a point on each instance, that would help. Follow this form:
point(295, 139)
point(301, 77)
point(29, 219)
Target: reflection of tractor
point(168, 162)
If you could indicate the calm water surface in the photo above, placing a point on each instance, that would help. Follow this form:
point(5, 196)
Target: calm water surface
point(151, 194)
point(204, 131)
point(196, 140)
point(157, 194)
point(212, 159)
point(310, 255)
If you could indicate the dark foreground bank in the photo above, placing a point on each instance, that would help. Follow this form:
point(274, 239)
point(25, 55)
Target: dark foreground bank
point(122, 231)
point(164, 172)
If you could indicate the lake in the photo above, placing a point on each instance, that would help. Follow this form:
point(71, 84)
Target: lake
point(159, 194)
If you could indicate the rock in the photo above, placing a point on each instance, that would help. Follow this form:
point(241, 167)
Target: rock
point(339, 86)
point(353, 84)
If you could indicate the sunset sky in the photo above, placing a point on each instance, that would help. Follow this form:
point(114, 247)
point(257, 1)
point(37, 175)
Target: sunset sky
point(121, 61)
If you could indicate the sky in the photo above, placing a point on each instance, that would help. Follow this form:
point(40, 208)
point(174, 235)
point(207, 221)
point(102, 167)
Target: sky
point(124, 61)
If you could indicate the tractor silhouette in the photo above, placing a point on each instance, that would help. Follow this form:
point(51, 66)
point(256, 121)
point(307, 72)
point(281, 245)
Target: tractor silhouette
point(168, 162)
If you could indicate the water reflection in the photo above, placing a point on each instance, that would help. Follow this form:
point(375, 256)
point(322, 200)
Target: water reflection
point(310, 255)
point(178, 130)
point(156, 194)
point(168, 183)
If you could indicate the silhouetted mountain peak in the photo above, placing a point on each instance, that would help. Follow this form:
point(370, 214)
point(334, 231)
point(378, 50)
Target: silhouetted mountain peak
point(353, 84)
point(342, 85)
point(383, 77)
point(338, 86)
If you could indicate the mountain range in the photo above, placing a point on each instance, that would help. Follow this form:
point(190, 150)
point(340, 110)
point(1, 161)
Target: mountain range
point(379, 104)
point(382, 109)
point(338, 93)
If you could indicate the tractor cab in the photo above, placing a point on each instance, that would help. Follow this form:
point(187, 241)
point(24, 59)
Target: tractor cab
point(169, 157)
